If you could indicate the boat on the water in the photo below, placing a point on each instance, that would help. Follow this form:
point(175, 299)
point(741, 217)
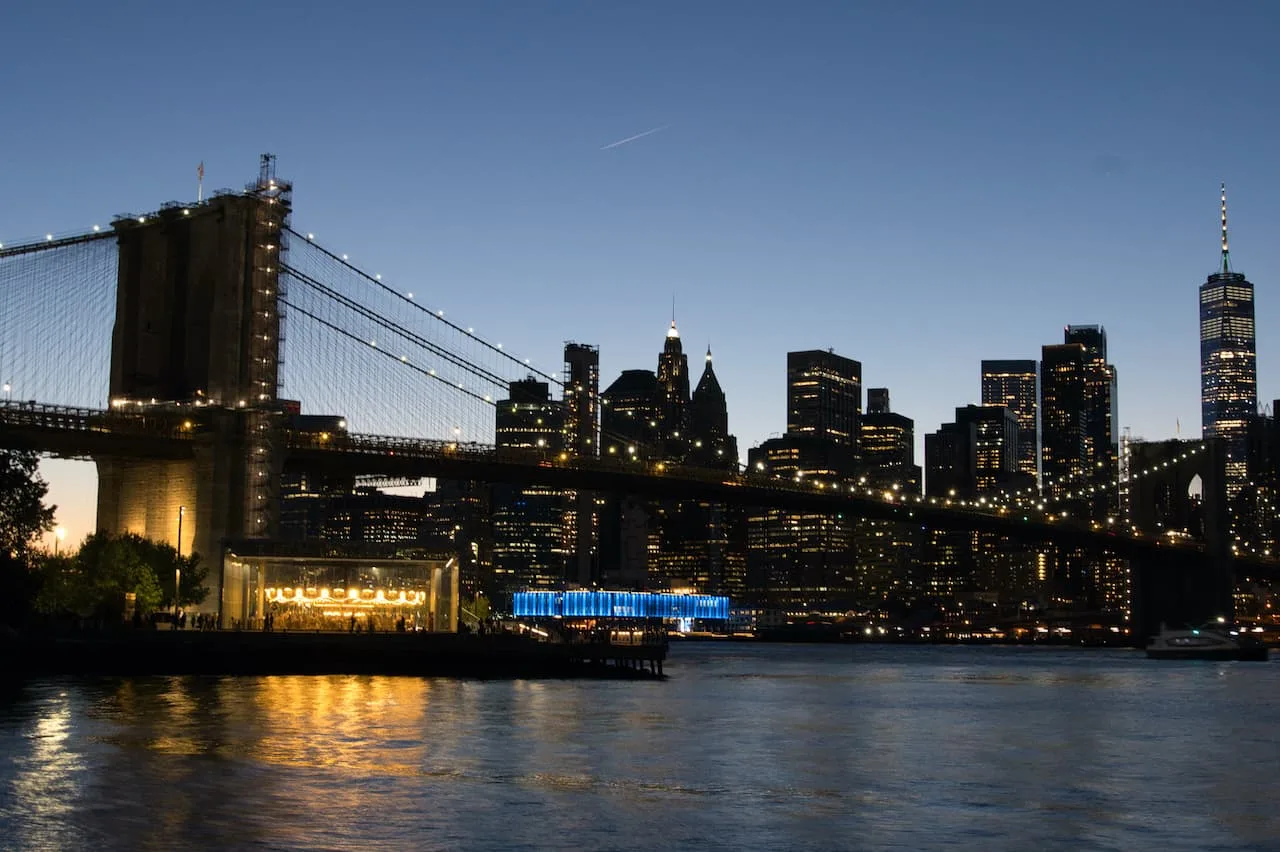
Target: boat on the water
point(1211, 642)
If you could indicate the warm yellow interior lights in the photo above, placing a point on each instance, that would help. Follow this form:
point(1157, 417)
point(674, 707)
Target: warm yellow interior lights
point(351, 597)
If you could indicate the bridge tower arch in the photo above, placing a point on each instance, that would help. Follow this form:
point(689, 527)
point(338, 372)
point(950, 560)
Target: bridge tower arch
point(1180, 589)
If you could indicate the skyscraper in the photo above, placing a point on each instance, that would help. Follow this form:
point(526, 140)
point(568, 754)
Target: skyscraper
point(1228, 362)
point(951, 461)
point(628, 427)
point(887, 445)
point(673, 386)
point(370, 516)
point(528, 549)
point(1012, 383)
point(692, 536)
point(1061, 417)
point(805, 561)
point(581, 438)
point(691, 543)
point(712, 445)
point(824, 396)
point(581, 396)
point(1079, 460)
point(885, 549)
point(1101, 428)
point(628, 416)
point(995, 433)
point(1078, 438)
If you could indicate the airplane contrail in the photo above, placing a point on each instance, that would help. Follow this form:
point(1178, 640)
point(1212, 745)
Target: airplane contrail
point(634, 138)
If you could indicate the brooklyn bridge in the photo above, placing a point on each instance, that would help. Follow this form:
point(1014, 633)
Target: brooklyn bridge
point(174, 349)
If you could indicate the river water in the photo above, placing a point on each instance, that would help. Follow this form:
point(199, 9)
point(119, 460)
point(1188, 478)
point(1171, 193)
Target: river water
point(745, 746)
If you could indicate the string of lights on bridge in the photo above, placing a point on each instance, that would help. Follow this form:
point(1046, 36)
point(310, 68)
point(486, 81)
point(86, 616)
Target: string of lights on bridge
point(54, 241)
point(60, 238)
point(438, 315)
point(894, 492)
point(1029, 495)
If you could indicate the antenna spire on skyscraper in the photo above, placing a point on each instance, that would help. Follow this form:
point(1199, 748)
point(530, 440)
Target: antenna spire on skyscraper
point(1226, 252)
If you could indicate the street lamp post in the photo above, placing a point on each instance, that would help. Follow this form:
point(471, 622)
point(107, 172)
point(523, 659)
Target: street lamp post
point(177, 568)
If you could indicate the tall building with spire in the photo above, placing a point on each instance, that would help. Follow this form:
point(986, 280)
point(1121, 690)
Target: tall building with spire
point(672, 544)
point(712, 445)
point(691, 539)
point(1228, 362)
point(673, 386)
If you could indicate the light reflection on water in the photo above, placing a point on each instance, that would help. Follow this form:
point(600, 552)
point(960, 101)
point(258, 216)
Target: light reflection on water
point(745, 746)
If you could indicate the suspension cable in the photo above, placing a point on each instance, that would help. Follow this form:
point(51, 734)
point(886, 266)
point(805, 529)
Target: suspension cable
point(437, 316)
point(57, 242)
point(396, 328)
point(398, 359)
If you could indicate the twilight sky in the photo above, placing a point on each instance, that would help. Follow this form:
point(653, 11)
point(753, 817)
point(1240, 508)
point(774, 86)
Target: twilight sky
point(918, 185)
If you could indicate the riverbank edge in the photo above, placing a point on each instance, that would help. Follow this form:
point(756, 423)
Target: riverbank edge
point(179, 653)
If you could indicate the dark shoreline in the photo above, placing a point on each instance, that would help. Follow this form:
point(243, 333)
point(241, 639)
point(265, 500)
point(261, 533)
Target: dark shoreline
point(818, 639)
point(148, 652)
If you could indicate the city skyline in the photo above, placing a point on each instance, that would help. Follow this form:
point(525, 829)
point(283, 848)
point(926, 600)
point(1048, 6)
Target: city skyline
point(68, 478)
point(909, 213)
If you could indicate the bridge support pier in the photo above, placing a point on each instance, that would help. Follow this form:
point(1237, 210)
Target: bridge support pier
point(1178, 592)
point(143, 496)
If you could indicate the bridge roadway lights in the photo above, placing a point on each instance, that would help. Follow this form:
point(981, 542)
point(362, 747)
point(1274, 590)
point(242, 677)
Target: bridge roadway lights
point(356, 454)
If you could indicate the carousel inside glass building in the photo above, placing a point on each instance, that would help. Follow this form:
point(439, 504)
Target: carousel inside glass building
point(339, 593)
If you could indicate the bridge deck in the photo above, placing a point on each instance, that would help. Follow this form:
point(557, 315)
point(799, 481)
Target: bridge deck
point(169, 432)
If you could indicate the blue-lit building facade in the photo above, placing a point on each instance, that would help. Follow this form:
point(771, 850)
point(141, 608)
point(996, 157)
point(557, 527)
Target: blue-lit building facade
point(620, 605)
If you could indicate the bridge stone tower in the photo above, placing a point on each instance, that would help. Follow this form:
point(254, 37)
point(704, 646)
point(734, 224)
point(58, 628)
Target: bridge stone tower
point(1181, 589)
point(197, 333)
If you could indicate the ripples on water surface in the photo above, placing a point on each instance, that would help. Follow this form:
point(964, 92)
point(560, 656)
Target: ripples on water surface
point(745, 746)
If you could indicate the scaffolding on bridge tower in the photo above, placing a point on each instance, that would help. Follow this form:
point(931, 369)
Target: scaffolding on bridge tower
point(265, 418)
